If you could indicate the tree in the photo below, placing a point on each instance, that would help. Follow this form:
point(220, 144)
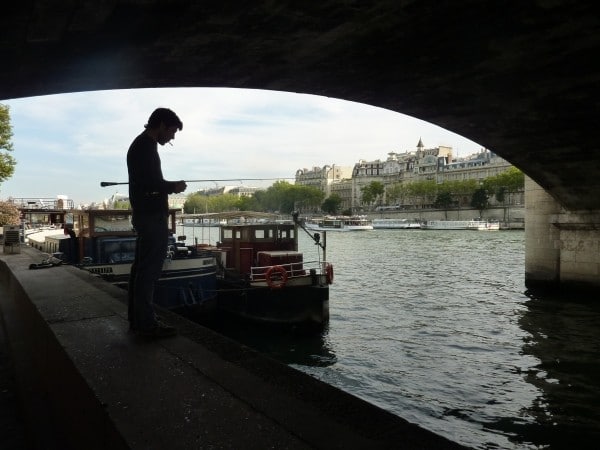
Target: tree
point(480, 200)
point(281, 196)
point(332, 204)
point(372, 191)
point(510, 181)
point(423, 192)
point(443, 201)
point(7, 162)
point(9, 214)
point(396, 193)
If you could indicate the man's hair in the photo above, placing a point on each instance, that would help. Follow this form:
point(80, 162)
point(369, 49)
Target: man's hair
point(163, 115)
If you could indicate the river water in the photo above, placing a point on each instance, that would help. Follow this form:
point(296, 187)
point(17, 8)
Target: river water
point(436, 327)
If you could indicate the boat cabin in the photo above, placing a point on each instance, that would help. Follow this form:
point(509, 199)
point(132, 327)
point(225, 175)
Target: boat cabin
point(250, 246)
point(99, 236)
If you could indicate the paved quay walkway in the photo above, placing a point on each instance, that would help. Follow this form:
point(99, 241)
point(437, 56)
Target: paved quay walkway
point(12, 427)
point(85, 381)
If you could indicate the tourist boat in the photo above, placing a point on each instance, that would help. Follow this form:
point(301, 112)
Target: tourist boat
point(400, 224)
point(339, 223)
point(445, 224)
point(264, 278)
point(102, 242)
point(475, 224)
point(484, 225)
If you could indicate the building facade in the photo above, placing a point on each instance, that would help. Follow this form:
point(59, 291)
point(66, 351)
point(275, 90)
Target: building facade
point(422, 164)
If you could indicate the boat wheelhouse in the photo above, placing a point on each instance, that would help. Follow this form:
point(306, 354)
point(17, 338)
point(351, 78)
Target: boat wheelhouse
point(340, 223)
point(264, 278)
point(103, 242)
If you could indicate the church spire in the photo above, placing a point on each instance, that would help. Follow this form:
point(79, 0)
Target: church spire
point(420, 145)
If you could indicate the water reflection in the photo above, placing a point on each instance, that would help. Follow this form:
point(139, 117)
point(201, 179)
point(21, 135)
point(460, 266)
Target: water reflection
point(436, 328)
point(287, 345)
point(564, 336)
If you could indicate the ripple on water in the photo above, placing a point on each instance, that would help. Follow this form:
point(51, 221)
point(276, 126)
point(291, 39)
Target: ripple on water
point(435, 327)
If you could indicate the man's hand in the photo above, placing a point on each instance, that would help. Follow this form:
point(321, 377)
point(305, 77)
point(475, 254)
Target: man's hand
point(180, 186)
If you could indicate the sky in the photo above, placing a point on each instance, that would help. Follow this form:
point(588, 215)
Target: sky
point(67, 144)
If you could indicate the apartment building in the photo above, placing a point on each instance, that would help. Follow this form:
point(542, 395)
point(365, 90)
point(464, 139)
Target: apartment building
point(436, 163)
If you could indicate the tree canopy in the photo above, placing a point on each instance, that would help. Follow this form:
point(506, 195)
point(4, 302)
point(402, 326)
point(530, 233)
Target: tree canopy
point(509, 181)
point(372, 191)
point(7, 161)
point(480, 200)
point(331, 205)
point(9, 214)
point(281, 197)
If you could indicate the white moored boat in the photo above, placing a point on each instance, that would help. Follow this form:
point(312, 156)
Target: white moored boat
point(475, 224)
point(401, 224)
point(445, 224)
point(484, 225)
point(340, 223)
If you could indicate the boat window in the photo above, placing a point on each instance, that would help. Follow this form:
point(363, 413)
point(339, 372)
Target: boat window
point(227, 233)
point(85, 223)
point(259, 234)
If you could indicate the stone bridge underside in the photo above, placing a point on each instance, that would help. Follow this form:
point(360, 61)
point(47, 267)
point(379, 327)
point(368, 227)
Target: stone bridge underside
point(519, 77)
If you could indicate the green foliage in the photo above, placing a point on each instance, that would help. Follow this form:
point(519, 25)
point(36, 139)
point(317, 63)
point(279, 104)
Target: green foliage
point(396, 193)
point(372, 191)
point(509, 181)
point(443, 200)
point(7, 161)
point(331, 205)
point(281, 197)
point(9, 214)
point(424, 191)
point(122, 204)
point(446, 194)
point(199, 203)
point(480, 200)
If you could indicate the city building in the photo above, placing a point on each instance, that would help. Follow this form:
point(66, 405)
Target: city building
point(422, 164)
point(322, 177)
point(239, 191)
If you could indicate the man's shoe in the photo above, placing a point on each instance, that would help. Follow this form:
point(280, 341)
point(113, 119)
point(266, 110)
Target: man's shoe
point(159, 331)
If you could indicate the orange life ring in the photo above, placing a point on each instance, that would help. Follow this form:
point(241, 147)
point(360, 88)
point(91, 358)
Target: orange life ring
point(329, 273)
point(279, 280)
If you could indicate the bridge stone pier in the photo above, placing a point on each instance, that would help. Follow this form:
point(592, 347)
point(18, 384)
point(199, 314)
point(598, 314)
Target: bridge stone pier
point(517, 76)
point(562, 246)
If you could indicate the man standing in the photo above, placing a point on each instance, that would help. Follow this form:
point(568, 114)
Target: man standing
point(148, 194)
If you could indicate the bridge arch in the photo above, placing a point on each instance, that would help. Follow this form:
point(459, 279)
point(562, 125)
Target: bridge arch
point(518, 78)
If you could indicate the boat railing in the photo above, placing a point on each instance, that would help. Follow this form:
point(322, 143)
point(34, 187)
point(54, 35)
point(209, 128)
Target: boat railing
point(293, 269)
point(42, 203)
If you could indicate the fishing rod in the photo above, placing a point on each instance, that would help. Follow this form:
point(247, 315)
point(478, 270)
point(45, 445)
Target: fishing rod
point(114, 183)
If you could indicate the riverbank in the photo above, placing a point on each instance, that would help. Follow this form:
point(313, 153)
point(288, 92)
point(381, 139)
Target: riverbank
point(83, 378)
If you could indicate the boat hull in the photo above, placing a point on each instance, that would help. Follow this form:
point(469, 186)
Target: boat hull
point(313, 227)
point(445, 225)
point(395, 224)
point(342, 223)
point(185, 286)
point(482, 225)
point(298, 304)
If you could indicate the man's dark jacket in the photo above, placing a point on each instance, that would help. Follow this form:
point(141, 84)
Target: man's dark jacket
point(148, 190)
